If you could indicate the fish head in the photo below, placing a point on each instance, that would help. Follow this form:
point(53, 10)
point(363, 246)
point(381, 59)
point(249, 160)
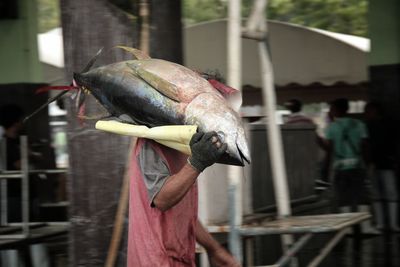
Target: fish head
point(210, 112)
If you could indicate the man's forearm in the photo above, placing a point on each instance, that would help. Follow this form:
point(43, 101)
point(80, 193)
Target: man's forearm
point(204, 238)
point(328, 160)
point(217, 254)
point(175, 188)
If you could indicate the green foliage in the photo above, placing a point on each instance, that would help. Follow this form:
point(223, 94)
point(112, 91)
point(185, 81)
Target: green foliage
point(344, 16)
point(48, 15)
point(195, 11)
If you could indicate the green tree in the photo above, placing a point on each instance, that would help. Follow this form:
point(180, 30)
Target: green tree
point(334, 15)
point(48, 15)
point(195, 11)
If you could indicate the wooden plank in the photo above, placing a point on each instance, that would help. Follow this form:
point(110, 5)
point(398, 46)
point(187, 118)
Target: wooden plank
point(297, 224)
point(306, 224)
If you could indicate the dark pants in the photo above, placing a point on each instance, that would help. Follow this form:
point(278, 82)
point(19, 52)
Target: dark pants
point(350, 188)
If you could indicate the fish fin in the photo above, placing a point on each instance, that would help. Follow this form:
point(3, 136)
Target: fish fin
point(57, 87)
point(161, 85)
point(125, 118)
point(137, 54)
point(79, 99)
point(92, 61)
point(95, 117)
point(232, 95)
point(222, 88)
point(52, 99)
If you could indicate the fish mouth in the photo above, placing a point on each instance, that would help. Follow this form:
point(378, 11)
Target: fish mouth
point(243, 157)
point(228, 159)
point(238, 159)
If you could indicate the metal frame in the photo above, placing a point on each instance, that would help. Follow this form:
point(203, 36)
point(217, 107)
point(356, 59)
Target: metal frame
point(22, 174)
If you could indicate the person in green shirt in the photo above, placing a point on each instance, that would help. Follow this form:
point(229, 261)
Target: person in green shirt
point(347, 155)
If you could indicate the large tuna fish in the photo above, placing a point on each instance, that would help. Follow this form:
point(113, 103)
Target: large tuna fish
point(156, 92)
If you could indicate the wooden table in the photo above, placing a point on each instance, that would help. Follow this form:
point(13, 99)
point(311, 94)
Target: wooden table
point(307, 225)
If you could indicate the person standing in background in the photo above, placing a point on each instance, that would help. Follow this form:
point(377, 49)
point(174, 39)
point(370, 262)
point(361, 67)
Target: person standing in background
point(384, 160)
point(347, 147)
point(296, 117)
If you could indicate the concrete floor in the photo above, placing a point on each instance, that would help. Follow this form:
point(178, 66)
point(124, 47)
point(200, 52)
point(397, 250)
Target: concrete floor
point(352, 251)
point(368, 251)
point(378, 251)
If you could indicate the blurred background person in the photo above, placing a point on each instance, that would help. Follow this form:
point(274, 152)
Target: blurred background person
point(296, 116)
point(346, 144)
point(384, 160)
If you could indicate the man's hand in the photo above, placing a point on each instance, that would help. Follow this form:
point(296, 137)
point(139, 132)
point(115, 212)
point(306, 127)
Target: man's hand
point(221, 258)
point(206, 150)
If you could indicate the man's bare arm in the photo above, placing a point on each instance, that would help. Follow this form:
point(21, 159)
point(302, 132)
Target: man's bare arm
point(175, 188)
point(327, 159)
point(217, 254)
point(206, 150)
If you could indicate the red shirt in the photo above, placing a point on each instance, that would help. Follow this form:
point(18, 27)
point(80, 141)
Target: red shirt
point(156, 238)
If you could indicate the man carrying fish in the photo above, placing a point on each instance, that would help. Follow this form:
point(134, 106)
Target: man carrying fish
point(163, 224)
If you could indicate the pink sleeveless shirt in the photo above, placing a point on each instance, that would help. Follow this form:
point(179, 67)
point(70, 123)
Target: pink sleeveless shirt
point(156, 238)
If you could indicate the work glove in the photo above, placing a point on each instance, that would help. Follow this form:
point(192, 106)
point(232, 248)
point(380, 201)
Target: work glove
point(204, 150)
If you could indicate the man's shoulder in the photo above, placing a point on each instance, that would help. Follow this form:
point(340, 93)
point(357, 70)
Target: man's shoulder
point(357, 125)
point(150, 145)
point(343, 124)
point(298, 118)
point(147, 150)
point(356, 121)
point(347, 122)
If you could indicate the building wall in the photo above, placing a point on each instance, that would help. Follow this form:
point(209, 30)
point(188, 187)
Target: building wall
point(19, 61)
point(384, 31)
point(384, 61)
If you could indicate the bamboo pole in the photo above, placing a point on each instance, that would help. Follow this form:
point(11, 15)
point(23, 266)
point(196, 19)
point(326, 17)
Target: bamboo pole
point(145, 27)
point(274, 135)
point(234, 172)
point(121, 210)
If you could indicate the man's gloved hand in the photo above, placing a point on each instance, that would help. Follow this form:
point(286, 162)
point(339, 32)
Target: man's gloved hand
point(206, 150)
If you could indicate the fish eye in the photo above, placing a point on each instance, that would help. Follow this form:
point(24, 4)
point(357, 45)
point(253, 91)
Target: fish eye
point(221, 136)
